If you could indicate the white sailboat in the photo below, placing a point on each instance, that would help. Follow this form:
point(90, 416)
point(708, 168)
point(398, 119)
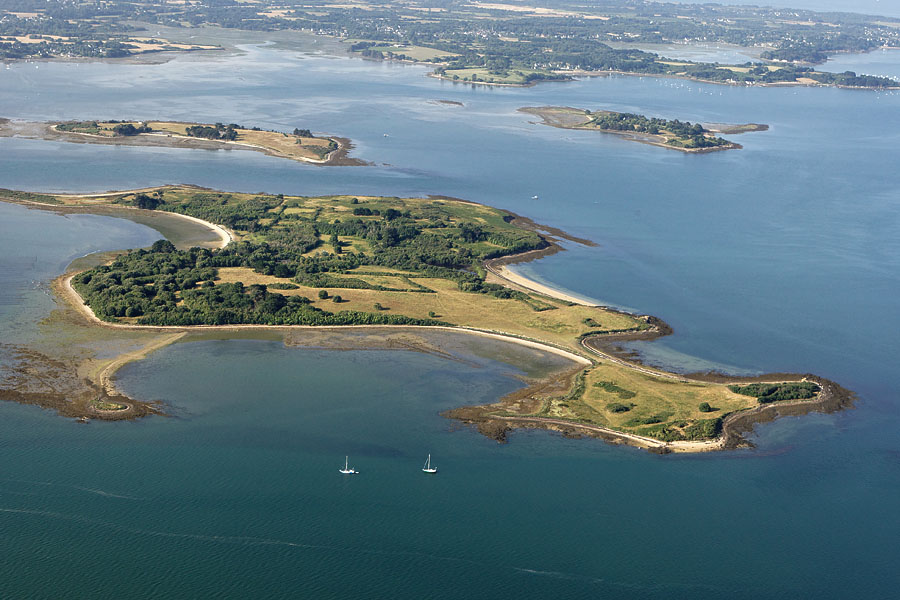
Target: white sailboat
point(347, 470)
point(428, 468)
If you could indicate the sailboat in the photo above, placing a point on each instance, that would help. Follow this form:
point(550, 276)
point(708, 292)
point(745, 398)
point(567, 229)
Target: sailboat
point(347, 470)
point(428, 468)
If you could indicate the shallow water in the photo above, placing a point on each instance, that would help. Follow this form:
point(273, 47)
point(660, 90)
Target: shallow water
point(781, 256)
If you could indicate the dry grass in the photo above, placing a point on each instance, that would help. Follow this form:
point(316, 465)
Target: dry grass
point(560, 326)
point(282, 144)
point(670, 399)
point(414, 52)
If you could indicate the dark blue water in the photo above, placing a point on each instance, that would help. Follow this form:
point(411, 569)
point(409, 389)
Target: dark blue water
point(781, 256)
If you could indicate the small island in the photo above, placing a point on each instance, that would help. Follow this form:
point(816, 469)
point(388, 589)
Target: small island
point(672, 134)
point(300, 145)
point(389, 266)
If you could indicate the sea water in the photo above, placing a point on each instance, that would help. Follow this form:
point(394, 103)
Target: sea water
point(780, 256)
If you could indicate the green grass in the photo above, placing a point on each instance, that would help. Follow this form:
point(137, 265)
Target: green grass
point(15, 196)
point(484, 75)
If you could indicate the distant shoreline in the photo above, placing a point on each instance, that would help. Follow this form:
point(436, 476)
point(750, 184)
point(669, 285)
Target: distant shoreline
point(567, 75)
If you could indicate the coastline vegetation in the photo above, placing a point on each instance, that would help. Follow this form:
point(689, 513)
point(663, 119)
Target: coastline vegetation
point(777, 392)
point(677, 133)
point(419, 260)
point(657, 406)
point(300, 145)
point(667, 133)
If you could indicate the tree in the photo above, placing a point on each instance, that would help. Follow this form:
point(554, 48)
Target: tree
point(162, 246)
point(323, 294)
point(147, 202)
point(705, 407)
point(337, 299)
point(126, 129)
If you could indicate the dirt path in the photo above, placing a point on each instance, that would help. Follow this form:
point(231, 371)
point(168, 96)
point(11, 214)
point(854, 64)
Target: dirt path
point(75, 300)
point(104, 377)
point(639, 440)
point(632, 366)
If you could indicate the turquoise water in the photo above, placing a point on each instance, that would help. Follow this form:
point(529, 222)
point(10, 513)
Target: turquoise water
point(782, 256)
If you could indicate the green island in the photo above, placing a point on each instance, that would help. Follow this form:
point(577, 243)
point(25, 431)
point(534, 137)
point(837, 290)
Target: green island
point(300, 145)
point(385, 264)
point(674, 134)
point(478, 42)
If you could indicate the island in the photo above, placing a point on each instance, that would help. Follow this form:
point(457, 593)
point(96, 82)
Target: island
point(673, 134)
point(300, 145)
point(390, 266)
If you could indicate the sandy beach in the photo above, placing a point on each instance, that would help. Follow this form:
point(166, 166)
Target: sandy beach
point(505, 272)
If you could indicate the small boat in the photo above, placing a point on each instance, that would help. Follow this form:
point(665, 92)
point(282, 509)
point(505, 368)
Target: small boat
point(534, 197)
point(347, 470)
point(428, 468)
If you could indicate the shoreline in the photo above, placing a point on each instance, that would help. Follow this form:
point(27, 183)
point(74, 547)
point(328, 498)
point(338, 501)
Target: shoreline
point(435, 75)
point(733, 425)
point(552, 116)
point(47, 131)
point(77, 302)
point(776, 84)
point(504, 272)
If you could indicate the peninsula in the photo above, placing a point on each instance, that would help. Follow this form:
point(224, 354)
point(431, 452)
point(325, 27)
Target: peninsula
point(300, 145)
point(672, 134)
point(290, 263)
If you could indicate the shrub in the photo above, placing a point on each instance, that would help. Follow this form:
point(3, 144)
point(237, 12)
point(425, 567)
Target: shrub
point(773, 392)
point(609, 386)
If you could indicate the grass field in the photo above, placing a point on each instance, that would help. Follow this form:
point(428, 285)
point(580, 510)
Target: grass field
point(617, 397)
point(609, 387)
point(561, 325)
point(414, 52)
